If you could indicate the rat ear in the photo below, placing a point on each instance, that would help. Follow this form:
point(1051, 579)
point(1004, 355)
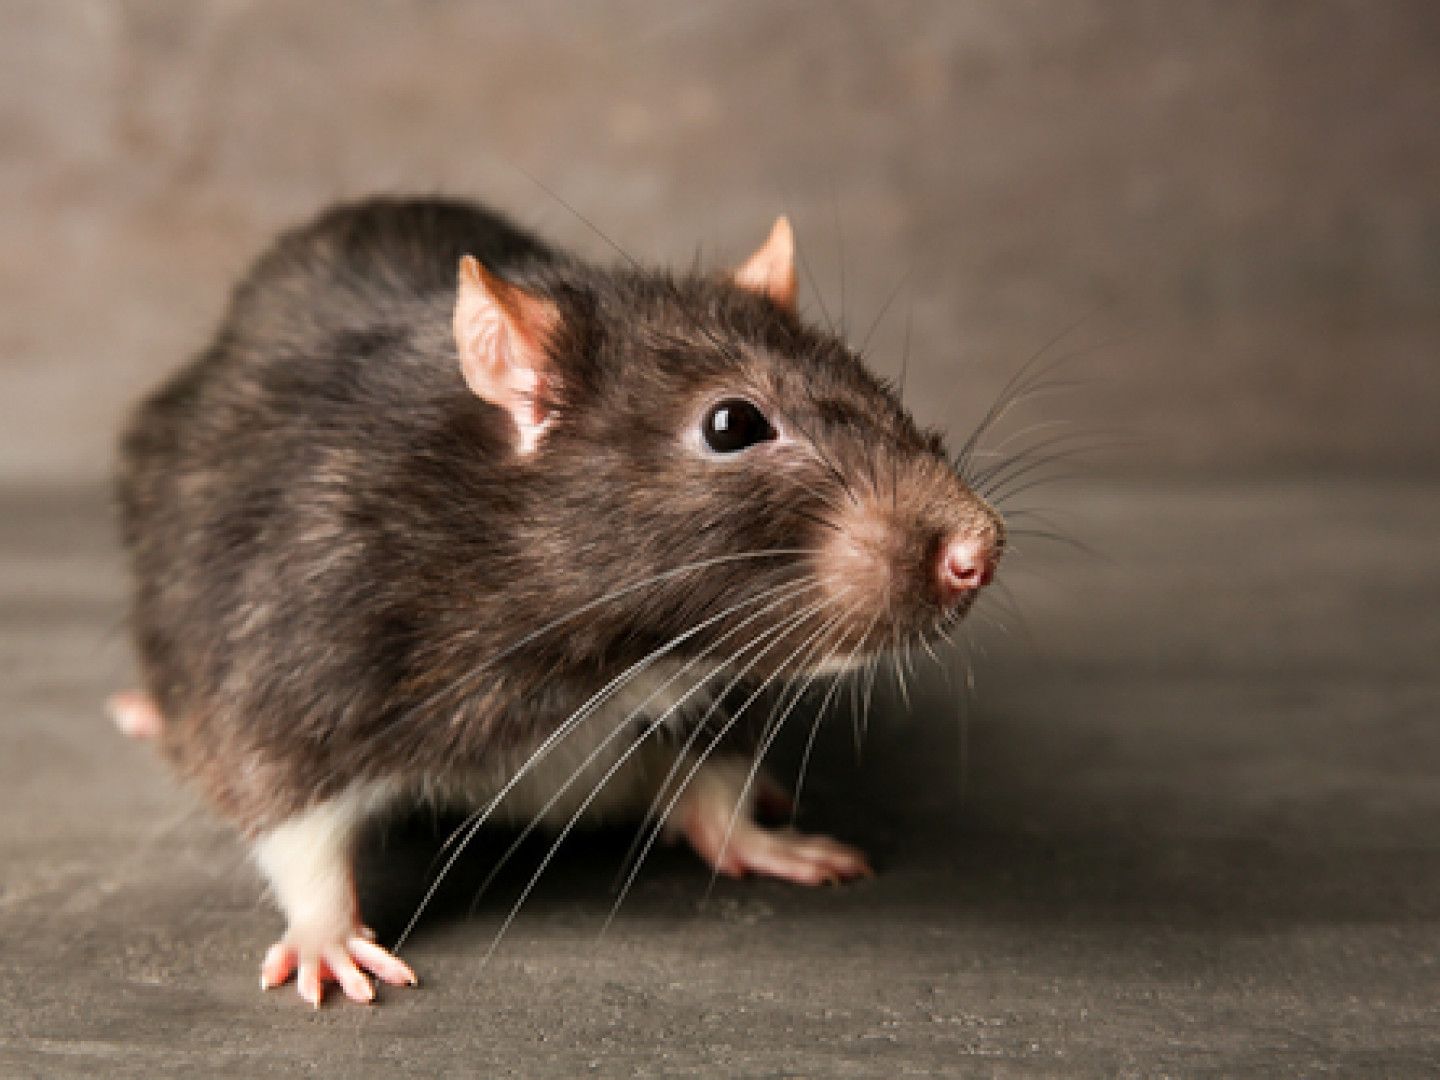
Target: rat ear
point(771, 270)
point(501, 332)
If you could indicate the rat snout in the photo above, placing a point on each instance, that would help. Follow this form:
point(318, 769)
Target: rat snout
point(966, 563)
point(906, 559)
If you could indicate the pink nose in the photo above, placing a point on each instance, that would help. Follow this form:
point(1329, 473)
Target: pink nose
point(967, 563)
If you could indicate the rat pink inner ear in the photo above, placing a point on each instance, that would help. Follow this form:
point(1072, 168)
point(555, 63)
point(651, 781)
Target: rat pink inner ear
point(771, 270)
point(502, 333)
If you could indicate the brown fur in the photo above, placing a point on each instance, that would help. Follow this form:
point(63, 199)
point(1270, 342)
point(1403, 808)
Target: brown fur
point(335, 547)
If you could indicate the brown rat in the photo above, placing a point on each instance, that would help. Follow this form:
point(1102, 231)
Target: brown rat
point(511, 540)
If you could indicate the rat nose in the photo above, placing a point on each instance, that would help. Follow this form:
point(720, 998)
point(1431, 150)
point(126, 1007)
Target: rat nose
point(966, 563)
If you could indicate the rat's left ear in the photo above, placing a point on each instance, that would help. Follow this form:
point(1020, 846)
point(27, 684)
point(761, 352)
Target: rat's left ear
point(771, 270)
point(501, 332)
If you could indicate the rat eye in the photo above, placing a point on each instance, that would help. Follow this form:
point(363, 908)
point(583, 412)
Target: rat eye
point(734, 424)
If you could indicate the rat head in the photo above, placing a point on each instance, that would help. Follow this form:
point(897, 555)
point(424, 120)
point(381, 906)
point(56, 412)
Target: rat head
point(736, 478)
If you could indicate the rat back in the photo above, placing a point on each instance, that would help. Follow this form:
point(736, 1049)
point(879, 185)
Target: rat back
point(274, 491)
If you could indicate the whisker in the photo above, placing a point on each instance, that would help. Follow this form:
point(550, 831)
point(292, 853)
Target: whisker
point(900, 393)
point(570, 825)
point(1068, 541)
point(1013, 383)
point(838, 680)
point(819, 448)
point(1010, 472)
point(1039, 482)
point(897, 676)
point(626, 590)
point(873, 673)
point(801, 687)
point(1048, 516)
point(963, 704)
point(1098, 438)
point(664, 785)
point(1042, 384)
point(473, 827)
point(620, 729)
point(1004, 597)
point(800, 773)
point(699, 763)
point(764, 748)
point(654, 724)
point(1017, 381)
point(1040, 425)
point(929, 647)
point(808, 271)
point(764, 594)
point(885, 307)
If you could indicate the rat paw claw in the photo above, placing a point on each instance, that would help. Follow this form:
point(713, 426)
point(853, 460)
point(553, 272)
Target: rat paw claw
point(382, 963)
point(352, 981)
point(278, 965)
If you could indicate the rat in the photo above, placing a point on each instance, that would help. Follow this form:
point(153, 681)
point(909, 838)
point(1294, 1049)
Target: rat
point(444, 514)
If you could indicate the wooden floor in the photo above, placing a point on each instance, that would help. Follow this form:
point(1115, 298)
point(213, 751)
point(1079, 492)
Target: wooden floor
point(1188, 821)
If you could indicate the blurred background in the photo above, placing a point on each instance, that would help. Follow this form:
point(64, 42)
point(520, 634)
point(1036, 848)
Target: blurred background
point(1173, 807)
point(1241, 197)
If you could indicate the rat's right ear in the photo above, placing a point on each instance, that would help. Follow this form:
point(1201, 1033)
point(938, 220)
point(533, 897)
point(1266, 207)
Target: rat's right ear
point(502, 333)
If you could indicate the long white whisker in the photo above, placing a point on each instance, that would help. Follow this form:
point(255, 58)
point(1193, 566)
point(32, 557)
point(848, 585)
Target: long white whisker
point(605, 692)
point(664, 786)
point(588, 707)
point(570, 825)
point(998, 450)
point(625, 590)
point(1027, 371)
point(930, 648)
point(852, 678)
point(654, 725)
point(764, 748)
point(802, 686)
point(800, 773)
point(870, 691)
point(689, 776)
point(998, 486)
point(898, 669)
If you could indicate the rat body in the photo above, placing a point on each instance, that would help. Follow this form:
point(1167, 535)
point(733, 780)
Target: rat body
point(510, 541)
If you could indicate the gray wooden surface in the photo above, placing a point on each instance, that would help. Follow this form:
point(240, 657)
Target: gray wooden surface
point(1198, 833)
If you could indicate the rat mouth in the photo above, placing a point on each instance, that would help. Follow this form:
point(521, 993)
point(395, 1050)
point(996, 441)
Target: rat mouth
point(834, 637)
point(903, 594)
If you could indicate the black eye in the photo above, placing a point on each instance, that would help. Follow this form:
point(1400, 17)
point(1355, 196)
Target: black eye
point(733, 425)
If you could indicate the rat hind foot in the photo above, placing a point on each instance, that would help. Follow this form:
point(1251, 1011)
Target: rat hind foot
point(779, 853)
point(724, 833)
point(135, 713)
point(343, 962)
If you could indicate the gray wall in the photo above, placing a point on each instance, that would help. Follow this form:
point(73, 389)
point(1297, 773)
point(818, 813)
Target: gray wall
point(1245, 198)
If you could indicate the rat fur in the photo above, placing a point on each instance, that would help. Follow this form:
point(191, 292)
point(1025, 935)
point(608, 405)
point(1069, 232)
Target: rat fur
point(392, 535)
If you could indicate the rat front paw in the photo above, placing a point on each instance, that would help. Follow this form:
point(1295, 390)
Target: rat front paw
point(315, 961)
